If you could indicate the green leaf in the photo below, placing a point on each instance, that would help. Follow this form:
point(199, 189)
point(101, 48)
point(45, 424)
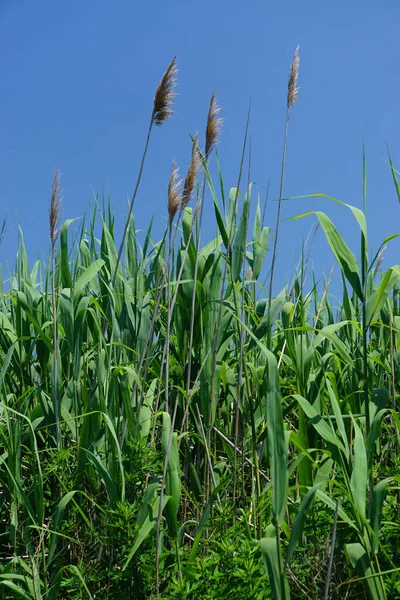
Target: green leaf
point(378, 498)
point(277, 448)
point(299, 522)
point(87, 276)
point(260, 243)
point(173, 475)
point(377, 298)
point(239, 246)
point(364, 568)
point(203, 524)
point(57, 520)
point(319, 423)
point(332, 504)
point(65, 273)
point(269, 552)
point(359, 475)
point(340, 250)
point(146, 527)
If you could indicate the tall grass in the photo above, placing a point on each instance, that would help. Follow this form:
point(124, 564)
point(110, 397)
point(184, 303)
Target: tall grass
point(166, 425)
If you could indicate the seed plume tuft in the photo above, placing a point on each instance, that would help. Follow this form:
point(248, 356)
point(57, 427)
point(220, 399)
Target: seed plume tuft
point(191, 176)
point(174, 192)
point(55, 206)
point(293, 90)
point(380, 259)
point(214, 125)
point(164, 95)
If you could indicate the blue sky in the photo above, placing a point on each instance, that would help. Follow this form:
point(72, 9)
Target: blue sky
point(78, 80)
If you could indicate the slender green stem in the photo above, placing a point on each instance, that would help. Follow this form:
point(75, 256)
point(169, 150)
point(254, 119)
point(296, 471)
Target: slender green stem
point(278, 219)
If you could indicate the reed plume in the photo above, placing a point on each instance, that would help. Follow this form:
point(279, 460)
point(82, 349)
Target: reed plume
point(162, 111)
point(213, 130)
point(174, 193)
point(214, 125)
point(163, 99)
point(55, 207)
point(191, 176)
point(179, 197)
point(54, 220)
point(293, 90)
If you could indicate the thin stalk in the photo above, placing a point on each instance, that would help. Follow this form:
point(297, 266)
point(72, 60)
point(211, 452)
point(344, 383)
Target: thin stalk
point(55, 357)
point(167, 333)
point(241, 345)
point(280, 559)
point(203, 435)
point(54, 220)
point(331, 555)
point(135, 191)
point(278, 219)
point(391, 354)
point(213, 127)
point(224, 275)
point(199, 208)
point(291, 99)
point(366, 390)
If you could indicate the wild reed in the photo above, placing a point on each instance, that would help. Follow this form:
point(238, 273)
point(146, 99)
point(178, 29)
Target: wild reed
point(162, 111)
point(54, 222)
point(292, 95)
point(178, 198)
point(213, 130)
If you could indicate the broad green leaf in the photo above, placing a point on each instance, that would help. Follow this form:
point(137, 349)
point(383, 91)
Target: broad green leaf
point(359, 475)
point(239, 246)
point(299, 522)
point(377, 298)
point(277, 449)
point(146, 527)
point(57, 520)
point(269, 552)
point(86, 277)
point(332, 504)
point(340, 250)
point(173, 475)
point(202, 525)
point(378, 498)
point(364, 568)
point(325, 430)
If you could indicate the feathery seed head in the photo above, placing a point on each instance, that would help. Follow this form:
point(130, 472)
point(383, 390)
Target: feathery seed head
point(214, 125)
point(191, 176)
point(164, 95)
point(293, 89)
point(174, 188)
point(380, 259)
point(55, 206)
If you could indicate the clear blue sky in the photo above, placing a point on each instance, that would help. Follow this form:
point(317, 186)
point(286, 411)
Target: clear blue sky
point(77, 83)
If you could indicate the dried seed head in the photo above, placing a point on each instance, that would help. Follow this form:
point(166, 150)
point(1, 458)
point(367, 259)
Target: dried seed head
point(380, 259)
point(191, 176)
point(164, 95)
point(174, 192)
point(55, 206)
point(293, 90)
point(214, 125)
